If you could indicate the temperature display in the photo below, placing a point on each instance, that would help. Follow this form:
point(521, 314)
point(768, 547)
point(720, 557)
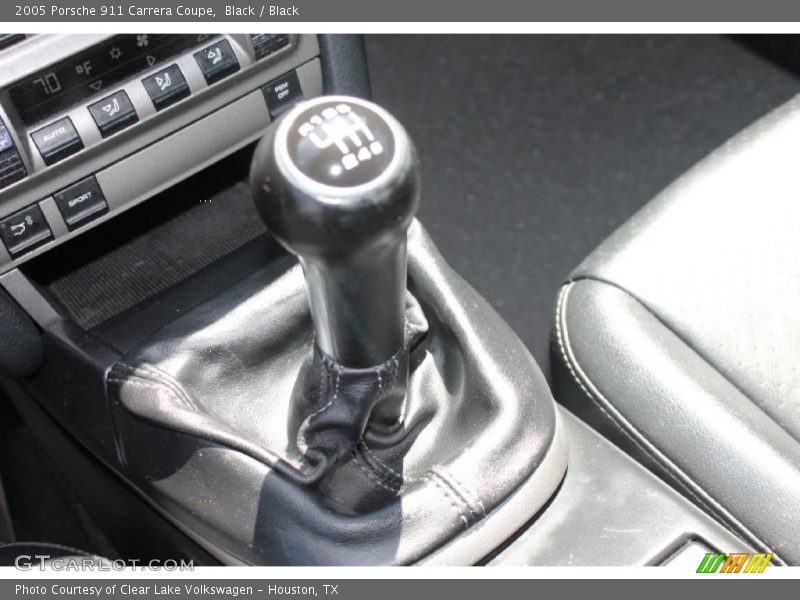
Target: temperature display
point(79, 77)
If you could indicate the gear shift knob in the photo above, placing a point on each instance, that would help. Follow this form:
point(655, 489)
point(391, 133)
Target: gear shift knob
point(337, 183)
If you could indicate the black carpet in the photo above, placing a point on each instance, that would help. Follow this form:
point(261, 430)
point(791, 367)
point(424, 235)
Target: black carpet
point(153, 246)
point(535, 148)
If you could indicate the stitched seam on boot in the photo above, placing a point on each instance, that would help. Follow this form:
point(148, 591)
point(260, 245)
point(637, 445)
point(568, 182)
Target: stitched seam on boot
point(157, 379)
point(474, 504)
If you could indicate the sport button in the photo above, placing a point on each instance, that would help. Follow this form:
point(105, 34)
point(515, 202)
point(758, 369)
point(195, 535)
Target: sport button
point(81, 202)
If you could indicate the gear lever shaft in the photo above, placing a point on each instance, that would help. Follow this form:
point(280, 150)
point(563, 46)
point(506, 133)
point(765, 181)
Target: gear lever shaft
point(337, 183)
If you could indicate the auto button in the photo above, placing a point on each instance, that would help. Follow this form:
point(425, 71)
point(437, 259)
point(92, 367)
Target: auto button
point(25, 230)
point(57, 141)
point(113, 113)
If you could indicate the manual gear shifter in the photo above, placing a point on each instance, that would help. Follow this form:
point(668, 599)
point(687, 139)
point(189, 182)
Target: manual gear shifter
point(412, 418)
point(337, 184)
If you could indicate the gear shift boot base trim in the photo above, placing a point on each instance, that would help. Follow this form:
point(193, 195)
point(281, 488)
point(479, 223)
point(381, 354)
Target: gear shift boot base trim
point(202, 415)
point(511, 515)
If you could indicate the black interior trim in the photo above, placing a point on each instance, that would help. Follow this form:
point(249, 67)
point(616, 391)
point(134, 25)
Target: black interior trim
point(344, 65)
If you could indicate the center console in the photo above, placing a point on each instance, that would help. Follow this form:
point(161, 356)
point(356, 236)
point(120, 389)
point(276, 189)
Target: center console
point(272, 364)
point(92, 125)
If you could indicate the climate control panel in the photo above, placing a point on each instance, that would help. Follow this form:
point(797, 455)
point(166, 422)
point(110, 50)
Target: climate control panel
point(91, 125)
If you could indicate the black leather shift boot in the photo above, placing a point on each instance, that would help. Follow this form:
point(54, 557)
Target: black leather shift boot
point(257, 444)
point(333, 405)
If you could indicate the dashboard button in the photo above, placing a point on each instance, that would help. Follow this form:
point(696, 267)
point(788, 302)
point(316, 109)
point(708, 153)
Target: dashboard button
point(9, 39)
point(166, 87)
point(113, 113)
point(265, 44)
point(57, 141)
point(5, 137)
point(217, 61)
point(11, 167)
point(25, 230)
point(282, 93)
point(81, 202)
